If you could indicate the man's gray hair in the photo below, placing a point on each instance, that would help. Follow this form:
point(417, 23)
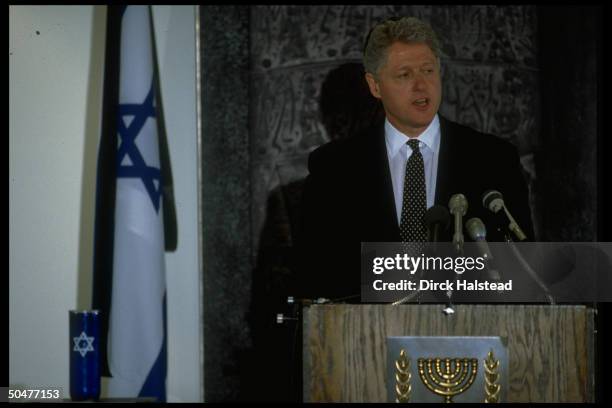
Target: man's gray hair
point(405, 29)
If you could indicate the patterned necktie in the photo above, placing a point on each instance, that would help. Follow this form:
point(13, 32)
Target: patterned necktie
point(414, 202)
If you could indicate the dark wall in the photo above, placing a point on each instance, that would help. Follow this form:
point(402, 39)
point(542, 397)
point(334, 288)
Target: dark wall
point(278, 81)
point(566, 164)
point(225, 195)
point(568, 180)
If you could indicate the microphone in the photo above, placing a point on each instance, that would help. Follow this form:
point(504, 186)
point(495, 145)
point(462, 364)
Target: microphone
point(458, 207)
point(436, 219)
point(478, 232)
point(494, 201)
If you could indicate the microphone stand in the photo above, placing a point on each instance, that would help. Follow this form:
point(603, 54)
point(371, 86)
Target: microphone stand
point(436, 218)
point(450, 308)
point(531, 272)
point(411, 295)
point(525, 265)
point(433, 241)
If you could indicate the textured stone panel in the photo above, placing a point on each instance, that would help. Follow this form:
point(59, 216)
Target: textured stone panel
point(494, 99)
point(225, 193)
point(285, 116)
point(285, 36)
point(485, 34)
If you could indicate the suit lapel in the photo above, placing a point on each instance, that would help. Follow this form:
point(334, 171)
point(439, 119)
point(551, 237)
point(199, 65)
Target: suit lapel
point(380, 190)
point(448, 171)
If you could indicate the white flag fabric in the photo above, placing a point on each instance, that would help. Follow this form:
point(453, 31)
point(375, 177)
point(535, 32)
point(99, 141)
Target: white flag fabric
point(136, 338)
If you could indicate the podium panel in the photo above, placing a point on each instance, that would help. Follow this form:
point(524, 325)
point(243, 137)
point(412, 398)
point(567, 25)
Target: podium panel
point(550, 348)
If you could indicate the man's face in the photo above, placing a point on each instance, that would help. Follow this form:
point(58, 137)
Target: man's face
point(409, 86)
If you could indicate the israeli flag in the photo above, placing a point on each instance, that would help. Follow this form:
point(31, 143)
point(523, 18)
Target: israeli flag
point(136, 338)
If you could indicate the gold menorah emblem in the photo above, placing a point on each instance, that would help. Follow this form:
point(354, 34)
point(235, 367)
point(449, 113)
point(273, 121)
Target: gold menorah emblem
point(448, 377)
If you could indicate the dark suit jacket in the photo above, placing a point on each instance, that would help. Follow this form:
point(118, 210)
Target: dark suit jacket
point(348, 199)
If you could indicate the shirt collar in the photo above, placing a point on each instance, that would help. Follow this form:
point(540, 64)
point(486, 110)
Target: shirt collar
point(395, 139)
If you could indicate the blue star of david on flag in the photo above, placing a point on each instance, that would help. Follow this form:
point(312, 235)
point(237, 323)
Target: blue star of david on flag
point(139, 168)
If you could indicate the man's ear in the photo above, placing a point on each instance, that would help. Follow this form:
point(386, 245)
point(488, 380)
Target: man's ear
point(373, 85)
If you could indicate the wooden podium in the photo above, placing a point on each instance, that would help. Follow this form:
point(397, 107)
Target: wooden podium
point(550, 348)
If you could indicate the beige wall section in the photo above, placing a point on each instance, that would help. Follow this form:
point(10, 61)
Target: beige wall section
point(56, 57)
point(49, 67)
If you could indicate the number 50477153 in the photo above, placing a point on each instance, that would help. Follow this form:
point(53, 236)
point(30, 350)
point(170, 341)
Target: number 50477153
point(34, 394)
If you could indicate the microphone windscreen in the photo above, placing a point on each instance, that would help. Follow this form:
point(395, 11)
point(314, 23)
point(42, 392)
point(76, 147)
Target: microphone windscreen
point(489, 197)
point(437, 215)
point(458, 204)
point(476, 229)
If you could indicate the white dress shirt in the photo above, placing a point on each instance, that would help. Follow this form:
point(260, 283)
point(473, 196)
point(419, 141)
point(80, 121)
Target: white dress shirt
point(398, 153)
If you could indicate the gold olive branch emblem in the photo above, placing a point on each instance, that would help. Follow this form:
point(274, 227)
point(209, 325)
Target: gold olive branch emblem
point(492, 389)
point(403, 388)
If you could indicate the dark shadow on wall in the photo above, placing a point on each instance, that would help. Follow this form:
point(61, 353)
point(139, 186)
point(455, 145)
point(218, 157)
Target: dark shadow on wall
point(566, 185)
point(346, 105)
point(273, 366)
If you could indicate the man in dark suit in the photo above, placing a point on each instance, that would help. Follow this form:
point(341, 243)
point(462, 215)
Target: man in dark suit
point(376, 186)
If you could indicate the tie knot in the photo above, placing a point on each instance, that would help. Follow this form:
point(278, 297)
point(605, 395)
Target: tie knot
point(414, 144)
